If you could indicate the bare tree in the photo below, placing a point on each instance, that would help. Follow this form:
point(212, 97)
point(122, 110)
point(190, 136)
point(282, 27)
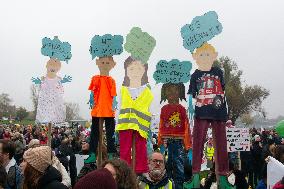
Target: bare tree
point(6, 107)
point(72, 111)
point(34, 97)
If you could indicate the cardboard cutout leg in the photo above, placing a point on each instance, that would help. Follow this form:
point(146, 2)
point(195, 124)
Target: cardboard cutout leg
point(100, 158)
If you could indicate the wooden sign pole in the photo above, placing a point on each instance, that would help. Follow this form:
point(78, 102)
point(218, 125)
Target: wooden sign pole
point(133, 162)
point(100, 145)
point(49, 134)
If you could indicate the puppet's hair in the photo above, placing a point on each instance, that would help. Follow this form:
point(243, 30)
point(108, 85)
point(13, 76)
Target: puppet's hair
point(181, 89)
point(109, 58)
point(126, 80)
point(205, 46)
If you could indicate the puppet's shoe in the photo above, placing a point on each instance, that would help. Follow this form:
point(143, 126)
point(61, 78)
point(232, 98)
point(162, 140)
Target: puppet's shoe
point(225, 184)
point(194, 183)
point(91, 158)
point(110, 156)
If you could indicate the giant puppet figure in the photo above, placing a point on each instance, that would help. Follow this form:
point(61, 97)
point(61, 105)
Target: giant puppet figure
point(174, 124)
point(103, 91)
point(51, 108)
point(135, 101)
point(207, 86)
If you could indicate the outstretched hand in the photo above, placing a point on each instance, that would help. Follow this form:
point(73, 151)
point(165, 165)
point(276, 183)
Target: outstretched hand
point(36, 80)
point(66, 79)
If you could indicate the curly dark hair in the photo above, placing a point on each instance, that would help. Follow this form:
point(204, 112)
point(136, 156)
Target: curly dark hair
point(125, 176)
point(181, 89)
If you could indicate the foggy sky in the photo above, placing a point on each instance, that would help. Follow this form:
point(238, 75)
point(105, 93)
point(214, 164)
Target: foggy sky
point(252, 36)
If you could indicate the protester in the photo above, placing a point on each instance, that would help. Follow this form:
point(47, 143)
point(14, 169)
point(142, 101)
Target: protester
point(100, 179)
point(19, 146)
point(38, 171)
point(3, 177)
point(7, 152)
point(55, 163)
point(122, 173)
point(156, 176)
point(279, 153)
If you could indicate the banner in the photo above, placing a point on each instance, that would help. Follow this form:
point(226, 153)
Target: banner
point(275, 172)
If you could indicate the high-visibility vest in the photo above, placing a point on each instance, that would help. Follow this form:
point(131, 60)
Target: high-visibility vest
point(134, 114)
point(209, 152)
point(143, 185)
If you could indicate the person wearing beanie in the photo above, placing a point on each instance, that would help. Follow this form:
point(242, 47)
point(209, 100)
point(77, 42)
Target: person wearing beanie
point(98, 179)
point(38, 170)
point(66, 180)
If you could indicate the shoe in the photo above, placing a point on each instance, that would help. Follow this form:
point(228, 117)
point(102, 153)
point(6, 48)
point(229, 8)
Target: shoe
point(91, 158)
point(224, 184)
point(194, 183)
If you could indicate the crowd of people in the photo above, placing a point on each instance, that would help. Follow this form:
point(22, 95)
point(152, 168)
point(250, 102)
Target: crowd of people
point(28, 162)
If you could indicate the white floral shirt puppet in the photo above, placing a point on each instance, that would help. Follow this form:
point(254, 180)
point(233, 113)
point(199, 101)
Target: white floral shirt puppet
point(51, 108)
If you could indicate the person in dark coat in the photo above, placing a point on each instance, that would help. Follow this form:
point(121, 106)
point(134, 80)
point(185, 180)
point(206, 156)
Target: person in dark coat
point(38, 171)
point(66, 150)
point(257, 158)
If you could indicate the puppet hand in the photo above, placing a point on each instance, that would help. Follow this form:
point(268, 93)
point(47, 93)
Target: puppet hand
point(66, 79)
point(36, 81)
point(114, 104)
point(189, 155)
point(91, 100)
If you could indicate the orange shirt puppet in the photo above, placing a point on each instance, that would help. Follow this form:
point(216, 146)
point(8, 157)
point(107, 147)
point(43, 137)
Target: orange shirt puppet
point(103, 89)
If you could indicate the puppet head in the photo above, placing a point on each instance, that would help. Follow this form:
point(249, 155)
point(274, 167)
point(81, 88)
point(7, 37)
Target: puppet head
point(135, 73)
point(105, 64)
point(53, 66)
point(205, 57)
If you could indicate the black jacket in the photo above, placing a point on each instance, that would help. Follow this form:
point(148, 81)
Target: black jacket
point(51, 180)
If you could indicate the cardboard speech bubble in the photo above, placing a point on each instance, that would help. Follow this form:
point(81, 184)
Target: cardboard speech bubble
point(173, 71)
point(200, 30)
point(139, 44)
point(106, 45)
point(56, 49)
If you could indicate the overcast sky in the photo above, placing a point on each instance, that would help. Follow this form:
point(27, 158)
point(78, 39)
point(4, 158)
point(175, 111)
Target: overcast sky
point(252, 36)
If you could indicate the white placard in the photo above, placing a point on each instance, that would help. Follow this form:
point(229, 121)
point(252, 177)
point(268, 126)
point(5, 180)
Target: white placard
point(238, 139)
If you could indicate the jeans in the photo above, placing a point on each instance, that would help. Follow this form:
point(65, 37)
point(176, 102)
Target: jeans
point(109, 126)
point(175, 163)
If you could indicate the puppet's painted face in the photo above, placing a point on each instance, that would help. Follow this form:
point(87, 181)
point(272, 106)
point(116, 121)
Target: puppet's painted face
point(205, 59)
point(105, 64)
point(53, 66)
point(172, 93)
point(135, 71)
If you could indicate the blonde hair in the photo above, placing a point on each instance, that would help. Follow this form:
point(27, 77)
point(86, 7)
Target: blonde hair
point(205, 46)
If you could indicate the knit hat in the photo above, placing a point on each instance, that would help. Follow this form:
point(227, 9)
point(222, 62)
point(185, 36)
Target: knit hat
point(39, 157)
point(98, 179)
